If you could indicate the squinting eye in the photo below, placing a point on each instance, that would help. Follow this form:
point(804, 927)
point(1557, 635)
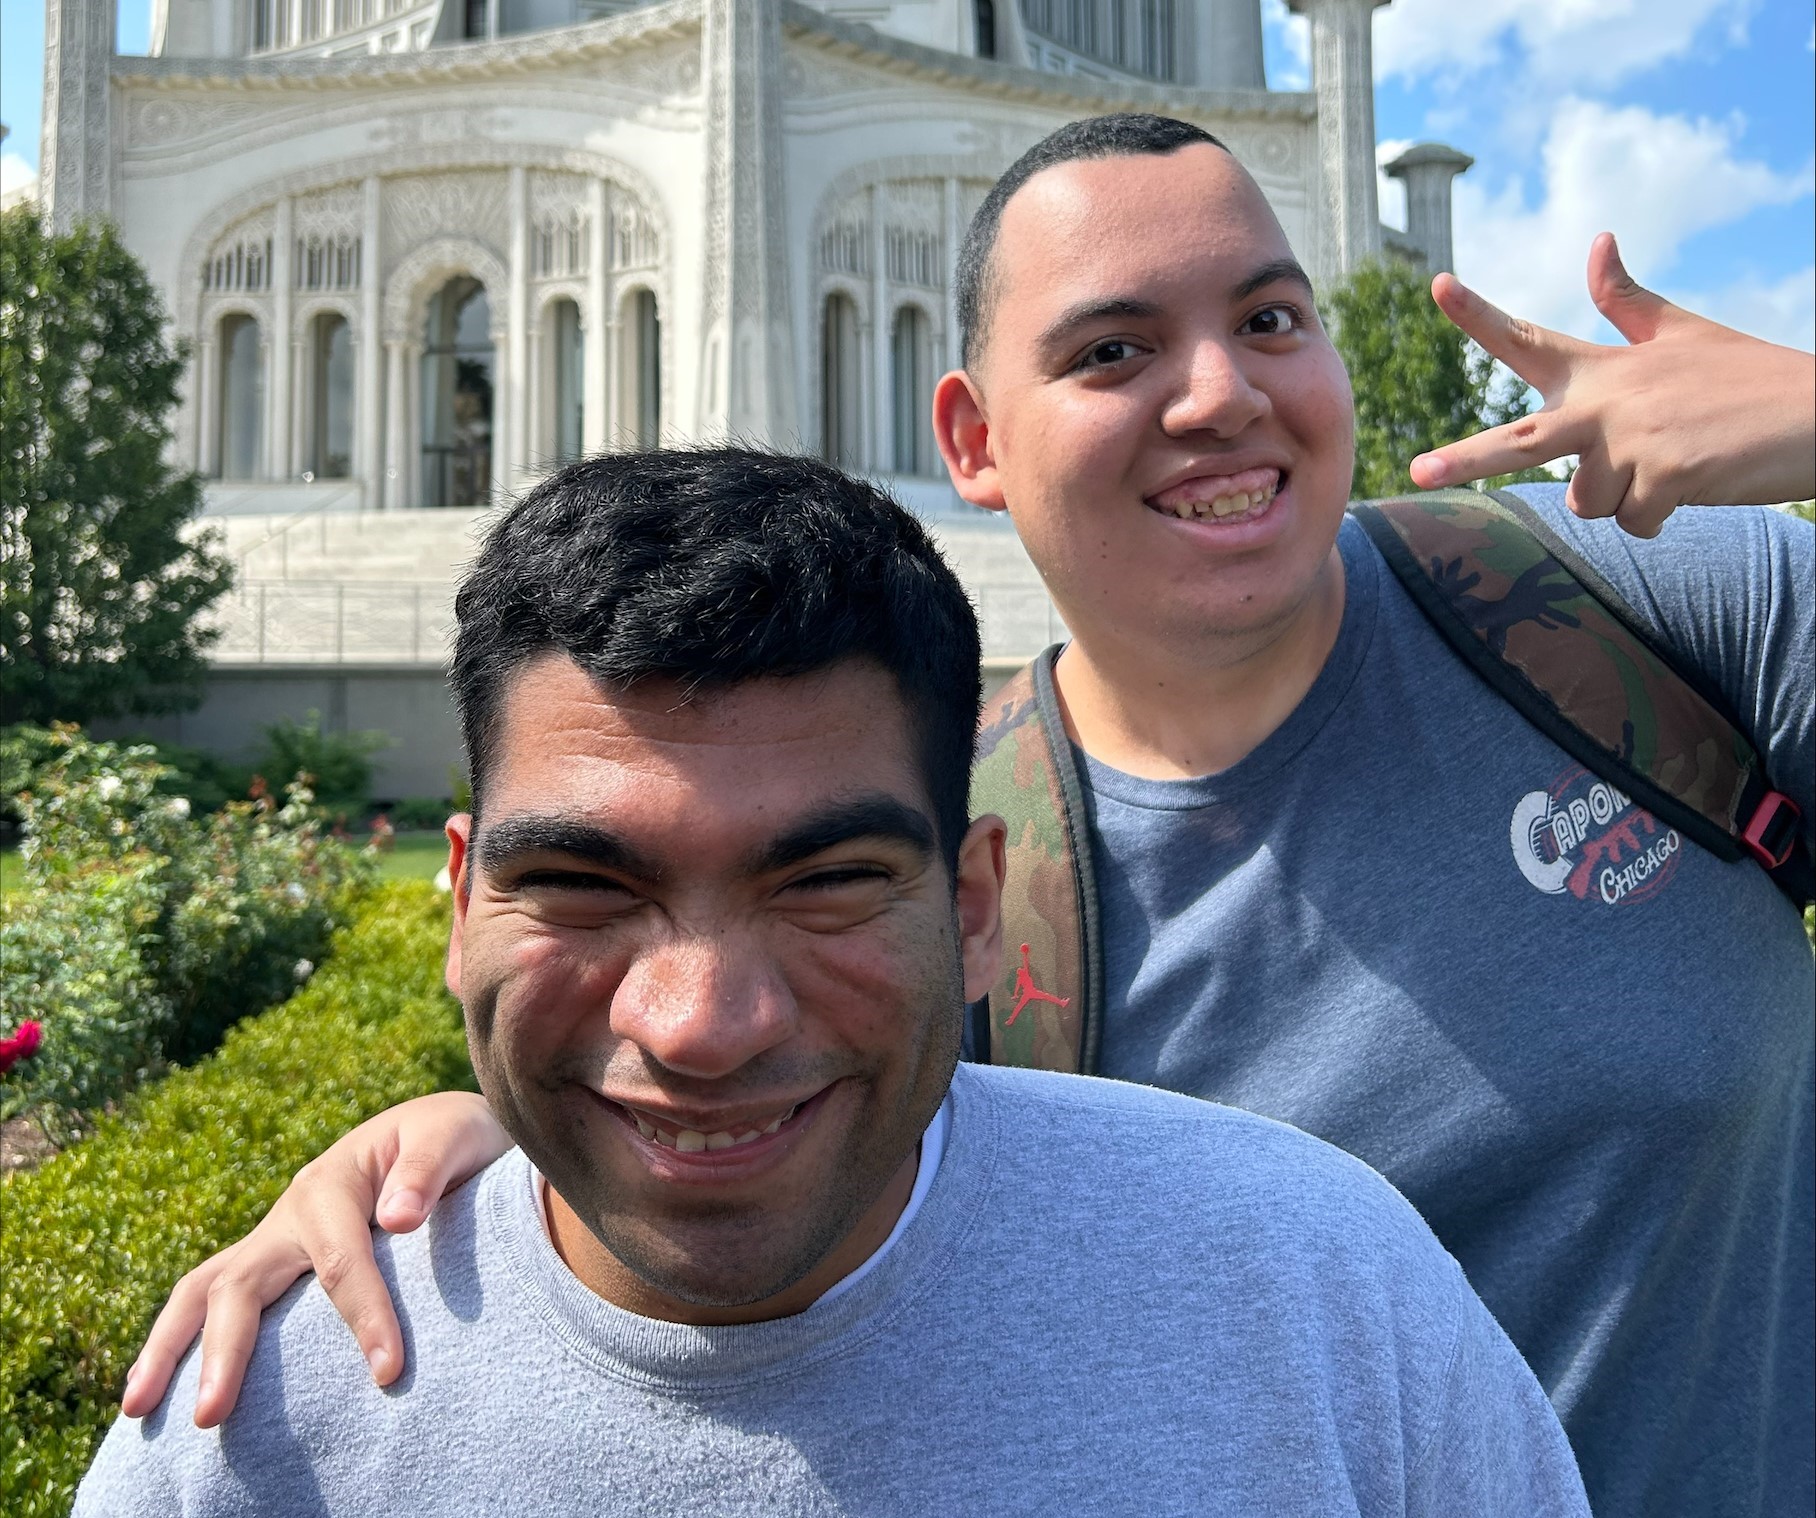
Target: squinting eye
point(1273, 321)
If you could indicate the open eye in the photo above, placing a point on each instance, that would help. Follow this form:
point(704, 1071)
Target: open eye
point(1274, 321)
point(1108, 353)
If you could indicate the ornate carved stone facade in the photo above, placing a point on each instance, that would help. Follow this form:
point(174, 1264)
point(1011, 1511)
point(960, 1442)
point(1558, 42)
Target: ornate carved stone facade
point(421, 256)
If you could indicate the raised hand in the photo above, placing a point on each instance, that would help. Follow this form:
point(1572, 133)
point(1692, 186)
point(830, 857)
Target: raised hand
point(392, 1169)
point(1690, 411)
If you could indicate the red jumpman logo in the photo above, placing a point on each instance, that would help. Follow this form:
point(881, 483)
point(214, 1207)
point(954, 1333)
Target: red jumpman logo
point(1026, 991)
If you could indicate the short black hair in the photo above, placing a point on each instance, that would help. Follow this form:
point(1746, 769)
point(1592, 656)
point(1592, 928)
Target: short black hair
point(713, 566)
point(1127, 134)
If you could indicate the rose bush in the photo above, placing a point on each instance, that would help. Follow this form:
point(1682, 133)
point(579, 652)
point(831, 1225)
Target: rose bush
point(140, 934)
point(92, 1241)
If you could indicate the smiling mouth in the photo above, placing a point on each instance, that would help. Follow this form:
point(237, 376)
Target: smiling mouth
point(693, 1141)
point(1225, 498)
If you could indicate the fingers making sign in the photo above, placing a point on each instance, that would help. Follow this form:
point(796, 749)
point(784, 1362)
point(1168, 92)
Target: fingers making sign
point(1689, 411)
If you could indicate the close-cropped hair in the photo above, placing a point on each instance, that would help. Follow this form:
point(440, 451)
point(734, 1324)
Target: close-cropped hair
point(1126, 134)
point(711, 567)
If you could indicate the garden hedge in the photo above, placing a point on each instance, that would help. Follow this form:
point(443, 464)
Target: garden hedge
point(92, 1241)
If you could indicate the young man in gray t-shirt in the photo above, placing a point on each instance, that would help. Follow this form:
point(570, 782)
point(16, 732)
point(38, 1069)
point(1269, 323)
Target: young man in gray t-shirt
point(717, 911)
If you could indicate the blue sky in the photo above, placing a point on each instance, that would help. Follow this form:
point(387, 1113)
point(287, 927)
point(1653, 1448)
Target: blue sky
point(1684, 126)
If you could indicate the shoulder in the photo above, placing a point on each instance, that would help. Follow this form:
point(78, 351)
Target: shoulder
point(1754, 545)
point(1137, 1148)
point(306, 1379)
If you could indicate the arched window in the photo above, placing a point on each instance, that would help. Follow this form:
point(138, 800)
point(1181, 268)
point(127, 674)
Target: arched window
point(986, 29)
point(567, 388)
point(640, 401)
point(457, 368)
point(242, 418)
point(841, 428)
point(330, 434)
point(911, 371)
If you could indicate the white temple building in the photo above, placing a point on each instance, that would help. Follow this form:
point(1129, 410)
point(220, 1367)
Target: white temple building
point(422, 249)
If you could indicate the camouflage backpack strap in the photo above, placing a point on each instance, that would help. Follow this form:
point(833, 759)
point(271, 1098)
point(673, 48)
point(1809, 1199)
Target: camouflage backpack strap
point(1551, 635)
point(1044, 1010)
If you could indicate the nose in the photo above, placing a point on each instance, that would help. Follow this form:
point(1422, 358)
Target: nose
point(704, 1005)
point(1216, 393)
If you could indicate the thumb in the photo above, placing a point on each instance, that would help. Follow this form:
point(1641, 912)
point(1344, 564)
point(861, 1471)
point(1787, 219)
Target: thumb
point(1633, 310)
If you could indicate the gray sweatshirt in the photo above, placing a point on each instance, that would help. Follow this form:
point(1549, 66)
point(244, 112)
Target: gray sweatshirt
point(1113, 1301)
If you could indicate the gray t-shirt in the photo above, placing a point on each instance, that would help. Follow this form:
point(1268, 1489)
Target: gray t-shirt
point(1591, 1073)
point(1112, 1301)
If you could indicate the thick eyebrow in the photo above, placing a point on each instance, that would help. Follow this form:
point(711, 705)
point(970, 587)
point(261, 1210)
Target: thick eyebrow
point(1272, 273)
point(876, 816)
point(502, 843)
point(1060, 330)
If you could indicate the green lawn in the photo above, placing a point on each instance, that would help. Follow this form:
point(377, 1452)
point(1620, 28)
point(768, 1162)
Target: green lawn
point(415, 856)
point(9, 870)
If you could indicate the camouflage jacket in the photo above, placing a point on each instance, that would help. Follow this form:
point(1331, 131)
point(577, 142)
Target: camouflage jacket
point(1524, 611)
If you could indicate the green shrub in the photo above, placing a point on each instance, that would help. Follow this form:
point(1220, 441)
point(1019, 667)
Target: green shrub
point(421, 814)
point(339, 765)
point(141, 934)
point(93, 1240)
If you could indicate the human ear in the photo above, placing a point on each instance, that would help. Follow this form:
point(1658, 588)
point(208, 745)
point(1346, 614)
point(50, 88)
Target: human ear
point(979, 899)
point(460, 839)
point(963, 433)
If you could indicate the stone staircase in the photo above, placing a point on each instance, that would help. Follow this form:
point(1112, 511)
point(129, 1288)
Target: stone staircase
point(325, 587)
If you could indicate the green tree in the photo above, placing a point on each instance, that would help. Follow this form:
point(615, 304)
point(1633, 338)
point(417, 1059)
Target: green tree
point(99, 587)
point(1419, 382)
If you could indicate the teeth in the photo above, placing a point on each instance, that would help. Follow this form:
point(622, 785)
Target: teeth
point(1221, 508)
point(687, 1141)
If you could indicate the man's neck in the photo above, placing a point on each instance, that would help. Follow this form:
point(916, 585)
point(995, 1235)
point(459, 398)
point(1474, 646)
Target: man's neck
point(602, 1273)
point(1197, 706)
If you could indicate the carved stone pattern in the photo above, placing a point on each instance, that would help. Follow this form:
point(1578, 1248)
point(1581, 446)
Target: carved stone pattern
point(77, 150)
point(665, 71)
point(337, 212)
point(845, 246)
point(163, 122)
point(913, 202)
point(423, 206)
point(636, 240)
point(440, 124)
point(557, 196)
point(399, 165)
point(816, 77)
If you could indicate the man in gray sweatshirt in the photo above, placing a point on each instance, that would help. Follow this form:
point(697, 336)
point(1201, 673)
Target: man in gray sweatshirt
point(761, 1249)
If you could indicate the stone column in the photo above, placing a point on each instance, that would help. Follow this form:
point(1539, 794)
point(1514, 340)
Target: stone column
point(593, 359)
point(953, 235)
point(283, 237)
point(882, 435)
point(510, 433)
point(370, 466)
point(75, 168)
point(1227, 51)
point(1427, 170)
point(535, 443)
point(747, 383)
point(207, 388)
point(397, 404)
point(1343, 76)
point(412, 425)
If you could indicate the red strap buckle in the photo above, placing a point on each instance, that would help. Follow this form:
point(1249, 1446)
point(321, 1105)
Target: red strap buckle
point(1772, 833)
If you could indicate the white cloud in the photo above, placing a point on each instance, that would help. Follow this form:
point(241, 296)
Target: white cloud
point(1287, 40)
point(1557, 44)
point(1653, 180)
point(1783, 311)
point(15, 172)
point(1391, 192)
